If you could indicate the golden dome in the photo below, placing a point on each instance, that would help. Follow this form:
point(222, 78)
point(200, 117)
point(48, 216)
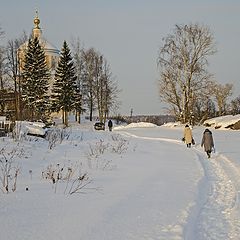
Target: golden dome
point(36, 20)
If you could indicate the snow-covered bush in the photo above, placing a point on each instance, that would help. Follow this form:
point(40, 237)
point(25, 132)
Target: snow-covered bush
point(120, 145)
point(70, 177)
point(9, 169)
point(56, 135)
point(95, 155)
point(97, 151)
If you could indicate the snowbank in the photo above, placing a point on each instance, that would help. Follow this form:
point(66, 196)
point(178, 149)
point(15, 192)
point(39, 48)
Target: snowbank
point(136, 125)
point(172, 124)
point(223, 121)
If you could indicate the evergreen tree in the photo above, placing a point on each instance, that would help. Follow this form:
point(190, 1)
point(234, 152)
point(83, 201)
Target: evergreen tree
point(35, 80)
point(64, 87)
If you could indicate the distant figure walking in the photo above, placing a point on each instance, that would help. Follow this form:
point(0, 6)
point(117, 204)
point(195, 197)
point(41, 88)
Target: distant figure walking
point(207, 142)
point(110, 125)
point(187, 136)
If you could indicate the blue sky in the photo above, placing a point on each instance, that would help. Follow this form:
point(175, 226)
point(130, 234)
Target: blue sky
point(129, 34)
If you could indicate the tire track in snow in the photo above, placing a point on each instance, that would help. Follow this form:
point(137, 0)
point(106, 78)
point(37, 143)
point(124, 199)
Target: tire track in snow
point(218, 215)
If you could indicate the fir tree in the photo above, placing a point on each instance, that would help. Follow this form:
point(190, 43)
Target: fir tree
point(64, 87)
point(35, 80)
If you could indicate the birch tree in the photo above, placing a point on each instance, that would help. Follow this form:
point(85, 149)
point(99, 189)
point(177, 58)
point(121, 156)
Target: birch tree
point(2, 71)
point(13, 69)
point(107, 97)
point(101, 90)
point(221, 93)
point(235, 106)
point(2, 60)
point(183, 61)
point(90, 61)
point(79, 71)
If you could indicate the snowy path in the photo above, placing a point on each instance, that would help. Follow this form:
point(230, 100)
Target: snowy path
point(135, 213)
point(217, 211)
point(219, 215)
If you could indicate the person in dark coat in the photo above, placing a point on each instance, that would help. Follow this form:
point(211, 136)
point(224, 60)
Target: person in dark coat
point(207, 142)
point(110, 125)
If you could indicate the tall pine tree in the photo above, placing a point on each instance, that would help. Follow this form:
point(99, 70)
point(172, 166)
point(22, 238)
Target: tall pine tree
point(64, 87)
point(35, 80)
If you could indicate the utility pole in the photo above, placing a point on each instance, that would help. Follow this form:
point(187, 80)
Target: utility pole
point(131, 113)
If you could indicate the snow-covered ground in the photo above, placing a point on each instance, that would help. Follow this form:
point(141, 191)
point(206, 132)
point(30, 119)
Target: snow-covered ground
point(138, 182)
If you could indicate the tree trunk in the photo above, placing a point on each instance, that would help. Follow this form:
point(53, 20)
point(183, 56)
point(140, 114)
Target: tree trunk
point(66, 118)
point(63, 116)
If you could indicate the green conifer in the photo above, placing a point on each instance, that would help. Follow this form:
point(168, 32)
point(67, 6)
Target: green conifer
point(64, 87)
point(35, 80)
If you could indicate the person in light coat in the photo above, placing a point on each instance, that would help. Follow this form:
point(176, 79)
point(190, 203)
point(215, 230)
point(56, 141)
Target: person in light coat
point(207, 142)
point(187, 136)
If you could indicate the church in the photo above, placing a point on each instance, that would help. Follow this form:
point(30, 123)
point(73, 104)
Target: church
point(51, 52)
point(11, 104)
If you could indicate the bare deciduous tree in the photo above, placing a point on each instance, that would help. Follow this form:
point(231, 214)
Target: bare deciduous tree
point(235, 106)
point(106, 90)
point(13, 68)
point(100, 88)
point(2, 73)
point(89, 58)
point(79, 69)
point(221, 93)
point(2, 62)
point(183, 67)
